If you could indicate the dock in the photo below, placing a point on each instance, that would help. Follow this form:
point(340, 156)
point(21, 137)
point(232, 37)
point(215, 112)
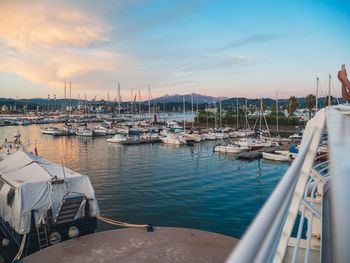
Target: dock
point(130, 245)
point(141, 141)
point(256, 153)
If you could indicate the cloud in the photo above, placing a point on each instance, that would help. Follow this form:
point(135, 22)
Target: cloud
point(51, 44)
point(33, 23)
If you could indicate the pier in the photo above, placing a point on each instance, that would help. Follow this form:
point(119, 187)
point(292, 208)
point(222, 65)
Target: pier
point(165, 244)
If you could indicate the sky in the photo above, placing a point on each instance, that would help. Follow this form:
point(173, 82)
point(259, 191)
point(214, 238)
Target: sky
point(232, 48)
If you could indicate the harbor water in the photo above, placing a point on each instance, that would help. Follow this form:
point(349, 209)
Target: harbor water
point(167, 185)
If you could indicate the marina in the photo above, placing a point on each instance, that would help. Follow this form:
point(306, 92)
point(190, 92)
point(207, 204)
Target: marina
point(149, 183)
point(174, 131)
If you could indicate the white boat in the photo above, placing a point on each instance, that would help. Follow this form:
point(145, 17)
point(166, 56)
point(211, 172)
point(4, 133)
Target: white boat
point(250, 143)
point(84, 131)
point(100, 131)
point(123, 130)
point(195, 137)
point(172, 139)
point(220, 135)
point(230, 148)
point(117, 139)
point(52, 131)
point(208, 136)
point(276, 157)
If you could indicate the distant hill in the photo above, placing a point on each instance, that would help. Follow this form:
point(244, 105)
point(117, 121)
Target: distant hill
point(188, 98)
point(269, 102)
point(172, 101)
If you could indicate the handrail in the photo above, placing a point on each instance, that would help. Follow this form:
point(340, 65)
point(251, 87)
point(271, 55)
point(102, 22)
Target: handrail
point(253, 245)
point(267, 237)
point(338, 125)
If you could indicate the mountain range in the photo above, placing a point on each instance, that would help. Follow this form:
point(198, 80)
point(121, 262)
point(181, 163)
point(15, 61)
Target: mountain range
point(188, 98)
point(176, 100)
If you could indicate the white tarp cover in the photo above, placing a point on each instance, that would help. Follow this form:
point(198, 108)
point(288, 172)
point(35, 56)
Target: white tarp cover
point(30, 177)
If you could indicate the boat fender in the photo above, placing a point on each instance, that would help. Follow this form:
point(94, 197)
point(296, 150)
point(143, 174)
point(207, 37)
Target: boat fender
point(5, 242)
point(55, 238)
point(73, 232)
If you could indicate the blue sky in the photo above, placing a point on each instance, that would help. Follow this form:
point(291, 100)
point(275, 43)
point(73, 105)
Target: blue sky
point(217, 48)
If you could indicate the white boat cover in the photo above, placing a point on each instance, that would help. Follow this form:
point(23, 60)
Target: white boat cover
point(31, 177)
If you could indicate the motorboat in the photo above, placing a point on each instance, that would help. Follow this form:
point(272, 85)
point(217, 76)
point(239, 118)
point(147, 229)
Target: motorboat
point(230, 148)
point(208, 136)
point(100, 131)
point(52, 131)
point(123, 130)
point(250, 143)
point(117, 139)
point(84, 131)
point(276, 157)
point(43, 203)
point(172, 138)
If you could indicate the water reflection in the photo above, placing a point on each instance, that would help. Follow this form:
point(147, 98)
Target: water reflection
point(168, 185)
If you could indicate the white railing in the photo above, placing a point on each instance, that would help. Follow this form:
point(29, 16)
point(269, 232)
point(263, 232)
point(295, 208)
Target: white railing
point(338, 125)
point(266, 240)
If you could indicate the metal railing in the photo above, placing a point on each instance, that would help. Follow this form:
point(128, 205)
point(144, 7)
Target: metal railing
point(266, 240)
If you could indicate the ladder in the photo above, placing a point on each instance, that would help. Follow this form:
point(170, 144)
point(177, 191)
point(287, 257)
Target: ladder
point(69, 207)
point(42, 236)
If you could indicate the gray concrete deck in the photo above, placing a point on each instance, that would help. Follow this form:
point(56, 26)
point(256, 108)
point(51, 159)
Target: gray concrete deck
point(165, 244)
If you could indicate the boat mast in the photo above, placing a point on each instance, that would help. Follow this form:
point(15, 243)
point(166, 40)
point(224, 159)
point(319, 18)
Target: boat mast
point(215, 114)
point(184, 114)
point(70, 97)
point(220, 116)
point(206, 114)
point(246, 114)
point(149, 103)
point(261, 110)
point(197, 115)
point(317, 80)
point(277, 110)
point(237, 113)
point(329, 90)
point(192, 110)
point(64, 103)
point(119, 99)
point(140, 104)
point(86, 109)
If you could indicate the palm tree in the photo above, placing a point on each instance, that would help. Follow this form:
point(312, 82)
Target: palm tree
point(292, 105)
point(252, 108)
point(310, 101)
point(326, 100)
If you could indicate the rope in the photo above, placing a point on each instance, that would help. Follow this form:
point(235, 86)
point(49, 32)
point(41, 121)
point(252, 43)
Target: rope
point(118, 223)
point(20, 251)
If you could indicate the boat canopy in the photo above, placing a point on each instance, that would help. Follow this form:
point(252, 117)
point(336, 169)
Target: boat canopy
point(31, 183)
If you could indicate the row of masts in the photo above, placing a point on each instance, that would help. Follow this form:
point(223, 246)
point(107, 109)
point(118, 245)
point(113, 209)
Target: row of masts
point(133, 100)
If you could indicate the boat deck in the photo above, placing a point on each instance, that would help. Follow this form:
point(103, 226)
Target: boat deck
point(165, 244)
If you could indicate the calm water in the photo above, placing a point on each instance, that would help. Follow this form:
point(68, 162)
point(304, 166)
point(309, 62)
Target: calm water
point(163, 184)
